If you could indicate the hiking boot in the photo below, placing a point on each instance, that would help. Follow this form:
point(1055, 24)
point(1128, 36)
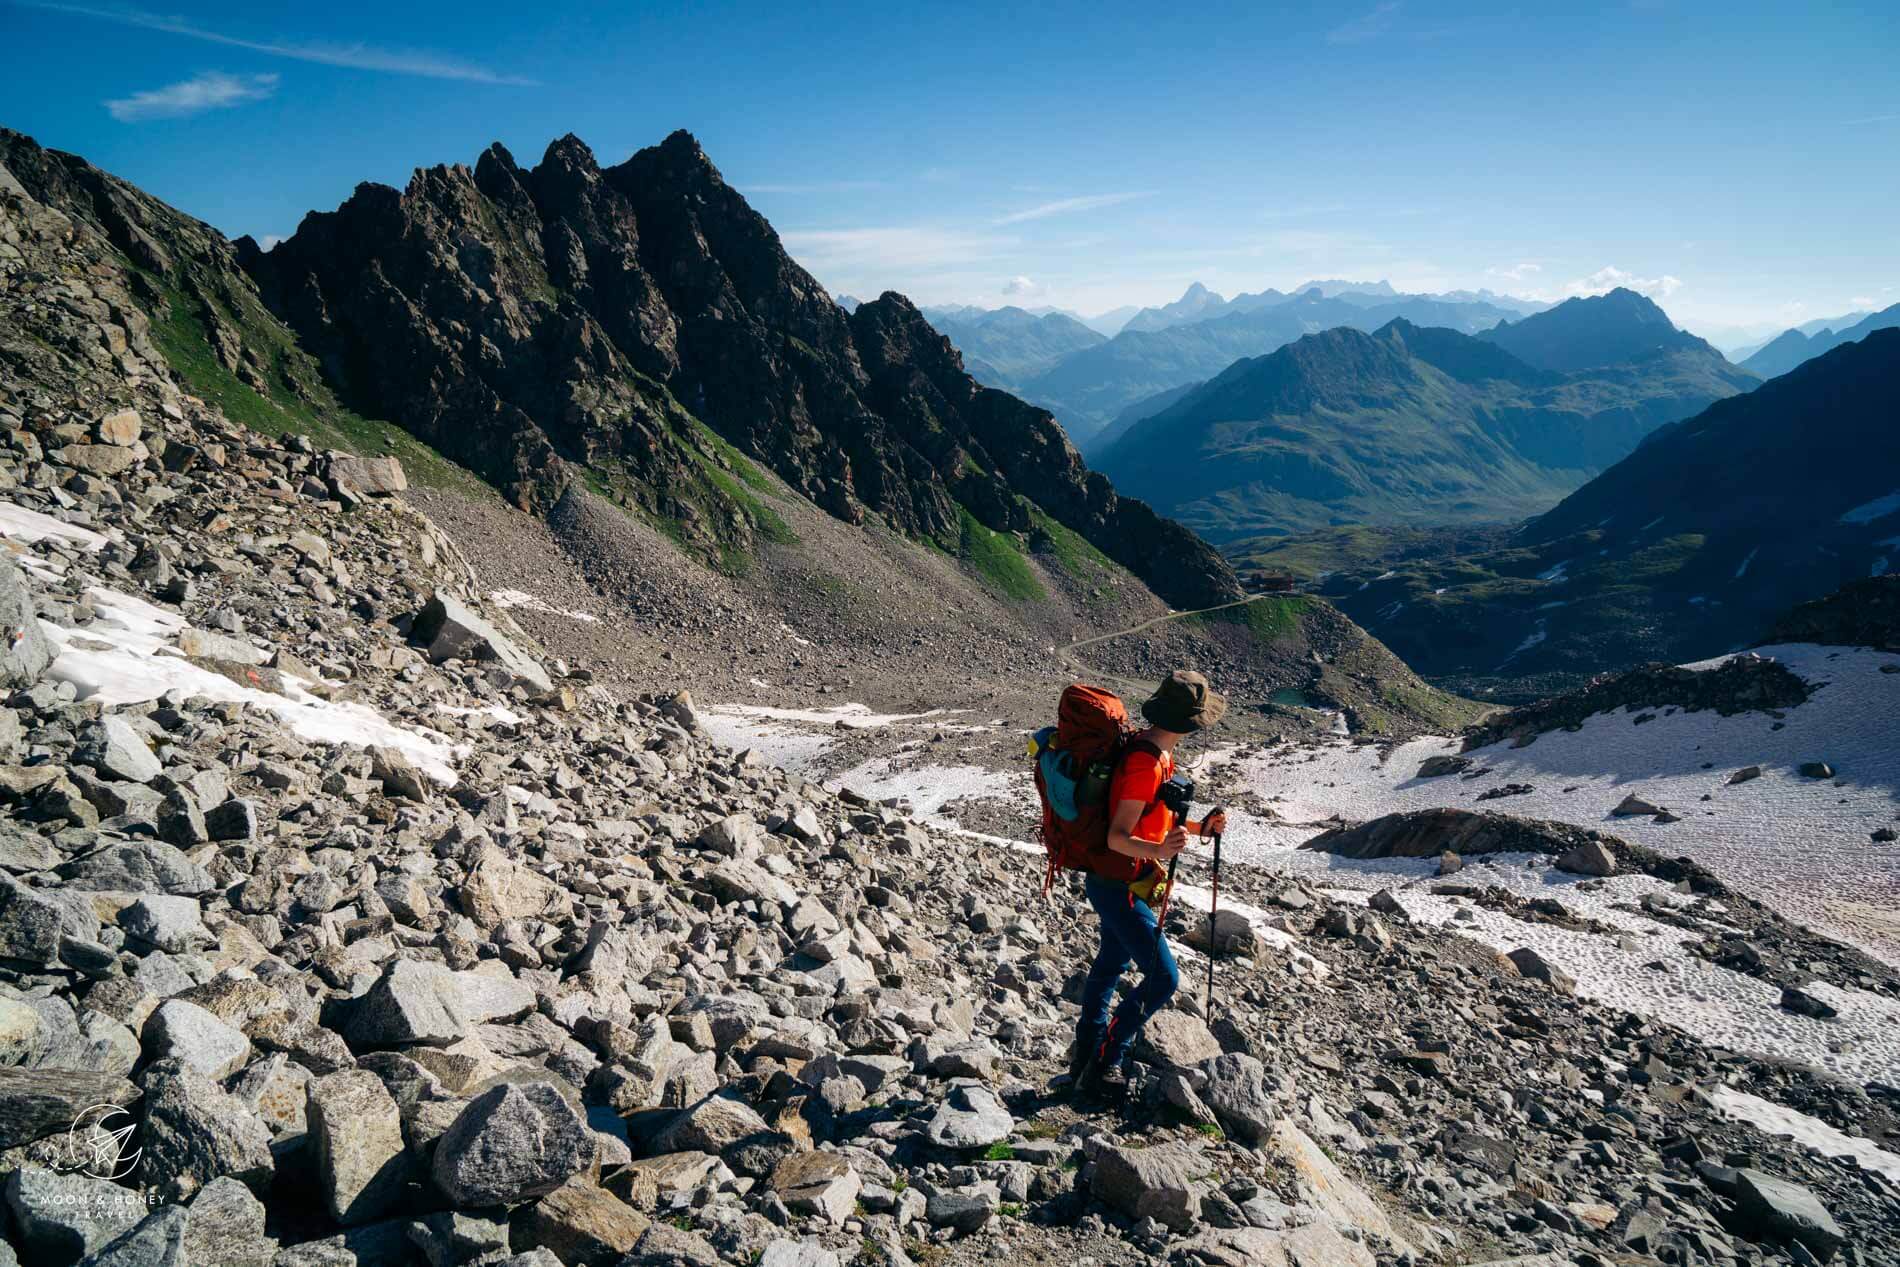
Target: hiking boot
point(1088, 1044)
point(1104, 1082)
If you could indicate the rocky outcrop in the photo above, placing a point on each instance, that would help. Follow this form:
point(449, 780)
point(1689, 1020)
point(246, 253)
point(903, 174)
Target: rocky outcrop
point(1740, 684)
point(1864, 613)
point(1428, 833)
point(528, 321)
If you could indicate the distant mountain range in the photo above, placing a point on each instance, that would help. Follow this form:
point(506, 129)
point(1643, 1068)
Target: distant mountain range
point(1418, 425)
point(1803, 343)
point(1688, 547)
point(1003, 347)
point(1198, 303)
point(1087, 389)
point(1741, 351)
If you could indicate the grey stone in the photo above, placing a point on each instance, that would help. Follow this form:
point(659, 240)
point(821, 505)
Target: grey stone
point(970, 1116)
point(356, 1133)
point(1161, 1182)
point(451, 630)
point(1246, 1097)
point(117, 751)
point(158, 1241)
point(1788, 1212)
point(377, 477)
point(180, 821)
point(188, 1033)
point(193, 1132)
point(582, 1225)
point(711, 1126)
point(235, 819)
point(36, 1103)
point(1533, 965)
point(144, 866)
point(825, 1185)
point(448, 1238)
point(663, 1245)
point(413, 1002)
point(740, 881)
point(384, 1244)
point(1173, 1039)
point(167, 922)
point(30, 925)
point(25, 650)
point(513, 1142)
point(226, 1227)
point(1589, 858)
point(785, 1252)
point(736, 835)
point(59, 1218)
point(962, 1211)
point(23, 1033)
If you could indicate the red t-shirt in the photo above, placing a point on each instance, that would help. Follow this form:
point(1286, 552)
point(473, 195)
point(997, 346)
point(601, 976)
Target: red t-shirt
point(1139, 778)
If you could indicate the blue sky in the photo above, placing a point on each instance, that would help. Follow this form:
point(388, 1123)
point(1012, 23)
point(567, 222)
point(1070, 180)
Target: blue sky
point(1736, 160)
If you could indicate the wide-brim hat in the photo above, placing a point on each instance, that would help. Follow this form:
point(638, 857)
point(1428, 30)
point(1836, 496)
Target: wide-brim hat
point(1184, 703)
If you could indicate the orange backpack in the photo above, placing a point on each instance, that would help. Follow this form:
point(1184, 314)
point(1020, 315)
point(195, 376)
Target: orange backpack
point(1075, 762)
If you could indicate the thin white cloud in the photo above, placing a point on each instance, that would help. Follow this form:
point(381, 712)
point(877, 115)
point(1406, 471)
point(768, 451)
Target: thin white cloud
point(1609, 278)
point(1516, 272)
point(1369, 26)
point(1872, 118)
point(1862, 301)
point(1021, 286)
point(1062, 206)
point(391, 61)
point(812, 187)
point(887, 251)
point(212, 90)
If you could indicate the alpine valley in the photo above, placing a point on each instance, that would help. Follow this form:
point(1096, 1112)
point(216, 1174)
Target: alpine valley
point(512, 754)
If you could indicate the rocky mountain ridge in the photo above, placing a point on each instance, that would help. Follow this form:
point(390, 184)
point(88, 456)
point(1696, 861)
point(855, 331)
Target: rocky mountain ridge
point(525, 319)
point(543, 325)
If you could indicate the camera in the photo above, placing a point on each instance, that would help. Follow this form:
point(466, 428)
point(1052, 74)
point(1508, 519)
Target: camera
point(1177, 794)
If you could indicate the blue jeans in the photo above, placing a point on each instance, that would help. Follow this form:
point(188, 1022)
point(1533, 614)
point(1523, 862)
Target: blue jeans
point(1129, 933)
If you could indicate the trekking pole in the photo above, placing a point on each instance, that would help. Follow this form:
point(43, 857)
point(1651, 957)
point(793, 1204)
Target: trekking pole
point(1167, 895)
point(1213, 938)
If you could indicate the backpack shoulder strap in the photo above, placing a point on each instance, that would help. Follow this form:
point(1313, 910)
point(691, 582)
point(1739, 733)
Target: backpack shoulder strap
point(1139, 745)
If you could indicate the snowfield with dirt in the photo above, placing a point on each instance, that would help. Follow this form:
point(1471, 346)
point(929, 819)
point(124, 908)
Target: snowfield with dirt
point(1803, 845)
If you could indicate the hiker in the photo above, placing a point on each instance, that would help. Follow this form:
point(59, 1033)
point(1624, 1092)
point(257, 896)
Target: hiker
point(1122, 882)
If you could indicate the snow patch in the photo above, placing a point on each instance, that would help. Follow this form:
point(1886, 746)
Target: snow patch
point(528, 602)
point(125, 657)
point(1776, 1119)
point(21, 524)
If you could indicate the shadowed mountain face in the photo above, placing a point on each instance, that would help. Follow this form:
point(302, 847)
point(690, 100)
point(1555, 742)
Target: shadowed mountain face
point(1686, 548)
point(1408, 425)
point(1793, 347)
point(527, 321)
